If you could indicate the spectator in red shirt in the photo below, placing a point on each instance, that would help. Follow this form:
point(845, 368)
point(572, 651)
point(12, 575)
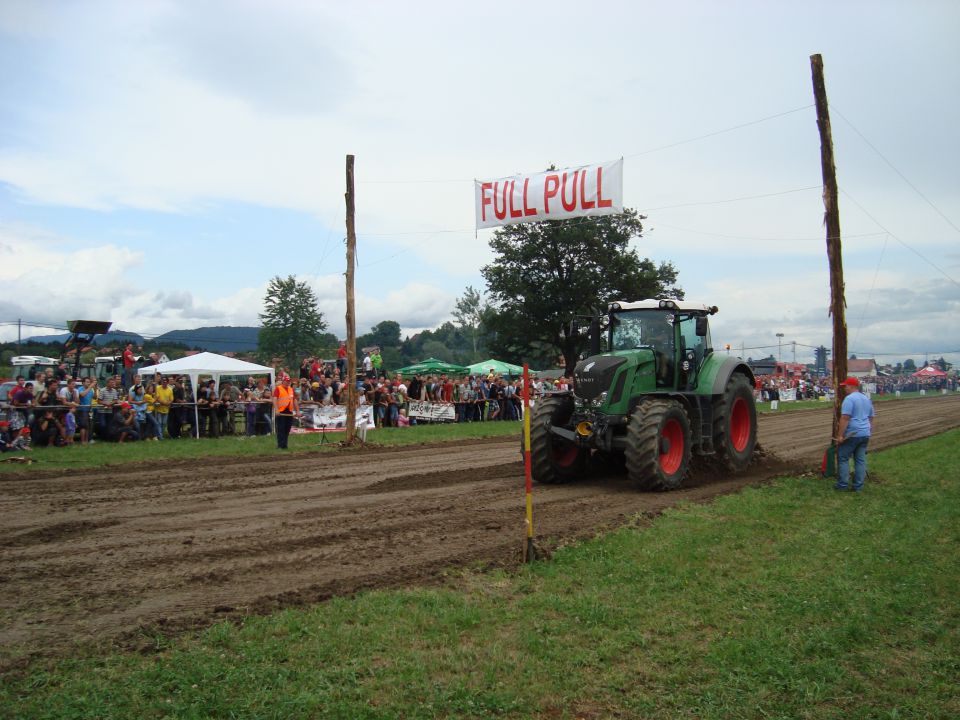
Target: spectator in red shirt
point(128, 362)
point(342, 359)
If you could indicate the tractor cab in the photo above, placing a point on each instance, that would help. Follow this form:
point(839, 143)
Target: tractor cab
point(677, 335)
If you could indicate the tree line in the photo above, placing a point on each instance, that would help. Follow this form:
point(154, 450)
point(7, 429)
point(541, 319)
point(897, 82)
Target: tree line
point(542, 276)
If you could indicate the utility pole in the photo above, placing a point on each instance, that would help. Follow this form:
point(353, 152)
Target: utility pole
point(351, 378)
point(831, 218)
point(779, 347)
point(19, 326)
point(794, 343)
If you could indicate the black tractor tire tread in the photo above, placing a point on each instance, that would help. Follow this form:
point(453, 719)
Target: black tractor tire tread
point(643, 446)
point(547, 412)
point(726, 459)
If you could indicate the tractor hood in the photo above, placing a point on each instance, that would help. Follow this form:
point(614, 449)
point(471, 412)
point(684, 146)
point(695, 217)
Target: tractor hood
point(594, 375)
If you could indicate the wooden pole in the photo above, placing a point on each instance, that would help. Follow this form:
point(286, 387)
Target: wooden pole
point(831, 218)
point(528, 554)
point(351, 379)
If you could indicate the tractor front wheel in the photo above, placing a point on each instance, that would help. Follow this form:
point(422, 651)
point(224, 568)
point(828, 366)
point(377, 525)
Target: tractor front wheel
point(658, 445)
point(554, 459)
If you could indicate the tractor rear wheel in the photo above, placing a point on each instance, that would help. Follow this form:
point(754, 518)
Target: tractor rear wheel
point(554, 459)
point(735, 425)
point(658, 445)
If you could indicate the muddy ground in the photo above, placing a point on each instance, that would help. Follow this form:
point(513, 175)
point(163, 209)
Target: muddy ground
point(118, 554)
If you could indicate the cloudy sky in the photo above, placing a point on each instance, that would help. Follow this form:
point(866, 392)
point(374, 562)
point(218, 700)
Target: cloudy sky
point(161, 161)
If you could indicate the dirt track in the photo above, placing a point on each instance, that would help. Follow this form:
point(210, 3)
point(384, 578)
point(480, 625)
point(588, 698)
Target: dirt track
point(97, 555)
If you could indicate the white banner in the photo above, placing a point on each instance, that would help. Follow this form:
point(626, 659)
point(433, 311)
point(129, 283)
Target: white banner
point(442, 412)
point(788, 394)
point(551, 195)
point(333, 417)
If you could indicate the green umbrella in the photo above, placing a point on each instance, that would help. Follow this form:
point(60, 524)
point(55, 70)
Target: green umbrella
point(432, 366)
point(499, 367)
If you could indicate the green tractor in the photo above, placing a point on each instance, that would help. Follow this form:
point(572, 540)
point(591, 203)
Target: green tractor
point(651, 394)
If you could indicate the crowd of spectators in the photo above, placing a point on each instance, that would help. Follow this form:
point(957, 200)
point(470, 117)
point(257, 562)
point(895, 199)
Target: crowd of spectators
point(475, 398)
point(56, 409)
point(813, 388)
point(48, 411)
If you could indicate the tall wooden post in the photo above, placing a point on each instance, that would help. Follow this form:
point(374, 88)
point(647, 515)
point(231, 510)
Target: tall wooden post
point(831, 218)
point(351, 379)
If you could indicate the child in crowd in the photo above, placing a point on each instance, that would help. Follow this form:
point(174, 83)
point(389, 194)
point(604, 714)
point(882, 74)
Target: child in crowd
point(250, 412)
point(70, 426)
point(21, 441)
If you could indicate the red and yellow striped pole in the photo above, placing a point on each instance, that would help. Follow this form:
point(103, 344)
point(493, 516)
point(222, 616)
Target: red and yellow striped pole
point(528, 544)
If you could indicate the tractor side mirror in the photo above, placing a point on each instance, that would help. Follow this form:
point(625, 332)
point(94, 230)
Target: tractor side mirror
point(702, 326)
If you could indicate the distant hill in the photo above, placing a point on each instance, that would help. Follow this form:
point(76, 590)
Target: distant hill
point(214, 339)
point(110, 338)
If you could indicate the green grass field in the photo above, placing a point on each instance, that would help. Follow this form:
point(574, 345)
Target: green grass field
point(785, 601)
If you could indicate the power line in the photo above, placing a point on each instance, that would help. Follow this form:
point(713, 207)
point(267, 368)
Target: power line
point(719, 132)
point(915, 252)
point(753, 237)
point(730, 200)
point(432, 181)
point(873, 285)
point(894, 168)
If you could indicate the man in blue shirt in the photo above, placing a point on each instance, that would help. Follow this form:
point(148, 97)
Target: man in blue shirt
point(853, 435)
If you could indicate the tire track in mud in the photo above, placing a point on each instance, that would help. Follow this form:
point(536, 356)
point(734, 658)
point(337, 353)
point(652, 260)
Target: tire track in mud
point(96, 556)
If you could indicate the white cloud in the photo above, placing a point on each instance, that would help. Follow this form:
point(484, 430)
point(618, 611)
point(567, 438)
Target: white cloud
point(176, 108)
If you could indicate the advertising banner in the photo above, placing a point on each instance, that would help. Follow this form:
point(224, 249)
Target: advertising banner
point(436, 412)
point(323, 418)
point(551, 195)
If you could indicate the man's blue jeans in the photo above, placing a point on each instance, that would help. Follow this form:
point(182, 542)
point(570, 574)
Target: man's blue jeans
point(855, 447)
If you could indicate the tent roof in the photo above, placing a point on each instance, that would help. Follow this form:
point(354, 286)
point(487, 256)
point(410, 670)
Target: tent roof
point(498, 366)
point(929, 371)
point(429, 365)
point(206, 363)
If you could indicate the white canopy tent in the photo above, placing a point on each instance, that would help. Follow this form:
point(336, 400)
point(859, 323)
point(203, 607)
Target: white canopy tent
point(207, 363)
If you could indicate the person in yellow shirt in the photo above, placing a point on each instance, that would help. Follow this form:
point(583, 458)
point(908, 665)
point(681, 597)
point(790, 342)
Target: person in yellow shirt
point(163, 399)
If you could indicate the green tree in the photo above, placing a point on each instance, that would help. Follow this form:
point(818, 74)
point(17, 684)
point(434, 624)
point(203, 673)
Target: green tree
point(909, 365)
point(942, 364)
point(544, 274)
point(470, 312)
point(385, 334)
point(436, 349)
point(292, 322)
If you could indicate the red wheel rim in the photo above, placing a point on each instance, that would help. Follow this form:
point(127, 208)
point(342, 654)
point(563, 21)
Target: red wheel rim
point(671, 460)
point(739, 425)
point(565, 455)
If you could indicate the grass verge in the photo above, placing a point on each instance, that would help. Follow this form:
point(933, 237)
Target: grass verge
point(789, 601)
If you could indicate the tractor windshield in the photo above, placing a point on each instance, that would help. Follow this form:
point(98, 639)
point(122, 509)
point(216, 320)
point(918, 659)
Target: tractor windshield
point(630, 329)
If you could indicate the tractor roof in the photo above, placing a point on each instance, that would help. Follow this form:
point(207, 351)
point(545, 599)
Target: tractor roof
point(660, 303)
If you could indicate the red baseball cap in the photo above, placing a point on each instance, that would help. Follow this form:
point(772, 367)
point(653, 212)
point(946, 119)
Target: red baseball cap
point(851, 381)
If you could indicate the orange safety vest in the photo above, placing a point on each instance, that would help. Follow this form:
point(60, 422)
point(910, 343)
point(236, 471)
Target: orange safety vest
point(284, 396)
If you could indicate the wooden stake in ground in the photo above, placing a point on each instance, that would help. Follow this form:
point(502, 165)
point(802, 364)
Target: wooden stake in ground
point(528, 554)
point(351, 379)
point(831, 219)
